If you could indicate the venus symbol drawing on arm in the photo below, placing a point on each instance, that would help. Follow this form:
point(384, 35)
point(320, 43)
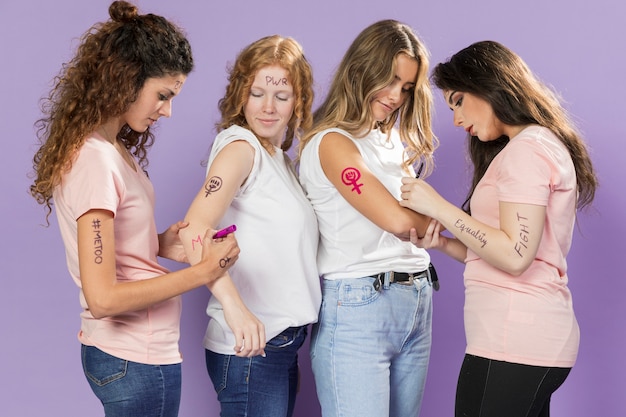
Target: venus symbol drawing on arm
point(212, 185)
point(351, 176)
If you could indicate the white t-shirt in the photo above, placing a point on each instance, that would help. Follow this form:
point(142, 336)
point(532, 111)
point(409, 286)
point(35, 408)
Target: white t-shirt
point(351, 246)
point(275, 274)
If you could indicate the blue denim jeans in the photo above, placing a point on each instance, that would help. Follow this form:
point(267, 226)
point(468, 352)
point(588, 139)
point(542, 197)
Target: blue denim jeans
point(370, 349)
point(259, 386)
point(131, 389)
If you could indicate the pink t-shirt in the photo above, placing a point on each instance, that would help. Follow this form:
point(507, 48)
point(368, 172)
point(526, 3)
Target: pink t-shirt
point(527, 319)
point(101, 179)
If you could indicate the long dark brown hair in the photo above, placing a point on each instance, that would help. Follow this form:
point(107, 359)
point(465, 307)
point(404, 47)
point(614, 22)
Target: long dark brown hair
point(497, 75)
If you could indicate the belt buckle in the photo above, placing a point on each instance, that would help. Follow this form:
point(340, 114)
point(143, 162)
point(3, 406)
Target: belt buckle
point(392, 279)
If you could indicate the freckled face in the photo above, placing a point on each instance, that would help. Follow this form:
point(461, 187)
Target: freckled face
point(392, 97)
point(270, 104)
point(475, 115)
point(154, 101)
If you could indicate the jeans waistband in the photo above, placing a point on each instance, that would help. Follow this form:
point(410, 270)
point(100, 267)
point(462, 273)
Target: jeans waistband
point(407, 278)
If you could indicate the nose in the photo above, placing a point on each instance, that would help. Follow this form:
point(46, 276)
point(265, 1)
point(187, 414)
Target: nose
point(456, 119)
point(268, 104)
point(395, 93)
point(166, 108)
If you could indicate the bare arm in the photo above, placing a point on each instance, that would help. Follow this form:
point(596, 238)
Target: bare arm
point(106, 296)
point(339, 158)
point(228, 171)
point(434, 239)
point(511, 247)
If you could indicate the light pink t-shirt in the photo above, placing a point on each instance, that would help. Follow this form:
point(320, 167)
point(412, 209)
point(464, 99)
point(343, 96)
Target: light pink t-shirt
point(101, 179)
point(527, 319)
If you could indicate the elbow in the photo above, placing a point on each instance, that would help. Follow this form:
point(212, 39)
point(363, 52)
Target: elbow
point(398, 227)
point(98, 313)
point(401, 227)
point(99, 309)
point(516, 268)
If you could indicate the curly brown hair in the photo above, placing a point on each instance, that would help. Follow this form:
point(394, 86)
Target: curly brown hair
point(111, 65)
point(270, 50)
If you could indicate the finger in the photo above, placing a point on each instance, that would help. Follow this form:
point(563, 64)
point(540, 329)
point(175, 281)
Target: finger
point(239, 342)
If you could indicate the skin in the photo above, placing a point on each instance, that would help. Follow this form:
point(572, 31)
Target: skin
point(105, 295)
point(337, 152)
point(267, 111)
point(270, 104)
point(513, 246)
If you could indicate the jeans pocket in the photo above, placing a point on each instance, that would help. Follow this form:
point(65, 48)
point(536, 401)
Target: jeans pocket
point(217, 367)
point(356, 293)
point(292, 336)
point(100, 367)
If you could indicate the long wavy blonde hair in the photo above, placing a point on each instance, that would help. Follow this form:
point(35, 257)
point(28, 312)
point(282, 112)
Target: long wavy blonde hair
point(367, 67)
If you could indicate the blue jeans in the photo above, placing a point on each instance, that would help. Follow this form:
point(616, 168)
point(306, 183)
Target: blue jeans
point(370, 349)
point(131, 389)
point(259, 386)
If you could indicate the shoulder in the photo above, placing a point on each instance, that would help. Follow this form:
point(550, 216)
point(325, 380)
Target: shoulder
point(236, 138)
point(336, 144)
point(537, 141)
point(94, 154)
point(236, 133)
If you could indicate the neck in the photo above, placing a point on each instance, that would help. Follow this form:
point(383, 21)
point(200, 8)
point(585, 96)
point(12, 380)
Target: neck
point(109, 131)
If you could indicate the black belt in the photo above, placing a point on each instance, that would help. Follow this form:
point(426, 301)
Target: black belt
point(409, 277)
point(406, 276)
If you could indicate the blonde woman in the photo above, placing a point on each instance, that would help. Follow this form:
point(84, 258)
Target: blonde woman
point(371, 346)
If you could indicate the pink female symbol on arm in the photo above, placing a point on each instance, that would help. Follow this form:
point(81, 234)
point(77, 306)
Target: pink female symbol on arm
point(350, 176)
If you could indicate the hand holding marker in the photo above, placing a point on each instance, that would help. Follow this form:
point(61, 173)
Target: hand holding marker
point(225, 232)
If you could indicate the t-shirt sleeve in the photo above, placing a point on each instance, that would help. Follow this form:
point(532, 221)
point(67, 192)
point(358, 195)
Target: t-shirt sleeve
point(95, 184)
point(524, 173)
point(233, 134)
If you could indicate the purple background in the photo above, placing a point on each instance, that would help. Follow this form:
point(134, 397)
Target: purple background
point(576, 45)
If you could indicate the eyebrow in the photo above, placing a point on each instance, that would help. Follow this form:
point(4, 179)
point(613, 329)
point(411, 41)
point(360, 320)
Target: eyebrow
point(450, 96)
point(411, 83)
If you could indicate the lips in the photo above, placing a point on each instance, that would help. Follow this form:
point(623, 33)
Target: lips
point(389, 108)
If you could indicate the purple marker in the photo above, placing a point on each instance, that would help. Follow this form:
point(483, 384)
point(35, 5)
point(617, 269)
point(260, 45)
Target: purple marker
point(225, 232)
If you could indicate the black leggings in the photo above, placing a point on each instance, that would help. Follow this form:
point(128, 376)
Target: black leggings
point(489, 388)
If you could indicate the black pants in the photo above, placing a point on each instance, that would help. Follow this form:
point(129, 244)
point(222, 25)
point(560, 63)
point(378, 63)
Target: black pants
point(489, 388)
